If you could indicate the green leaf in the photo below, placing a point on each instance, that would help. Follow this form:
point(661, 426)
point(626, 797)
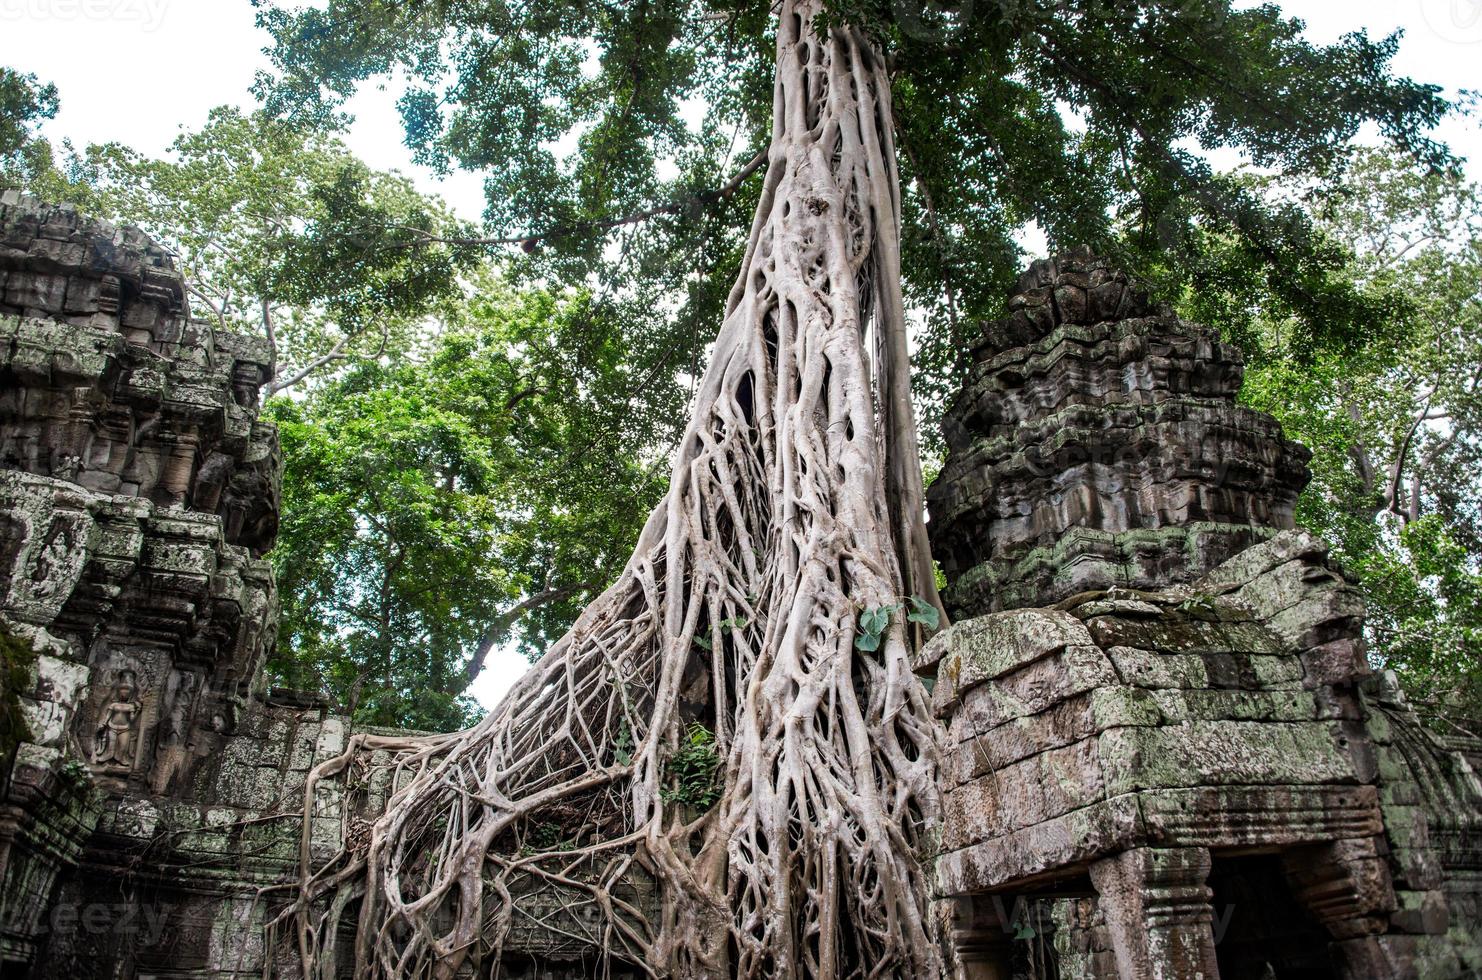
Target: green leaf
point(868, 642)
point(924, 613)
point(877, 619)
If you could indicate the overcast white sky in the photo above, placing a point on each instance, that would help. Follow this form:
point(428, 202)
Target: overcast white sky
point(135, 71)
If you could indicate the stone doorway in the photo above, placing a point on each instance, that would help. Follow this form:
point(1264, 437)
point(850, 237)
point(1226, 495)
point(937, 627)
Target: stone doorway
point(1262, 932)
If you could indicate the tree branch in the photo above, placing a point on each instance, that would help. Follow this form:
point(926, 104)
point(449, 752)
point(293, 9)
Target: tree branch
point(336, 353)
point(194, 291)
point(533, 240)
point(501, 626)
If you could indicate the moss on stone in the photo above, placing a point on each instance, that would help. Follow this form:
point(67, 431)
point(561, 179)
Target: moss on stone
point(17, 661)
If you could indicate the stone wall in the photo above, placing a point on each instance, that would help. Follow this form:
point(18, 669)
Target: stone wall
point(138, 493)
point(1166, 748)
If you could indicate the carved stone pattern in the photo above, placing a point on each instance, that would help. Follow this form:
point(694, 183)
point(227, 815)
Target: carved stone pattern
point(1097, 443)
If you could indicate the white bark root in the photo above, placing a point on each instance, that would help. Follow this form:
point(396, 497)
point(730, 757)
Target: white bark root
point(795, 503)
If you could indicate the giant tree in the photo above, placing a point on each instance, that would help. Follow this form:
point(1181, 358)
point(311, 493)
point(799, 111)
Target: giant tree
point(766, 619)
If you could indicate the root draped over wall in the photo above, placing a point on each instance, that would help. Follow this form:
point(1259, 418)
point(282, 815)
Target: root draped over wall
point(795, 504)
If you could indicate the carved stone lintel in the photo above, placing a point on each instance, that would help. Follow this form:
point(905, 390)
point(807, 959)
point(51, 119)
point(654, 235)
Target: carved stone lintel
point(1158, 912)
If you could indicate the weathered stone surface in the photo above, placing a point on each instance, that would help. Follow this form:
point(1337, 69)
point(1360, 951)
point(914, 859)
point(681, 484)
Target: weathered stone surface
point(1216, 732)
point(137, 493)
point(1098, 444)
point(1193, 698)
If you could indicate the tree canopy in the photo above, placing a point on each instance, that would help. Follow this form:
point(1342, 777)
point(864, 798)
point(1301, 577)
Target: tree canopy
point(476, 493)
point(25, 102)
point(642, 124)
point(1395, 421)
point(282, 232)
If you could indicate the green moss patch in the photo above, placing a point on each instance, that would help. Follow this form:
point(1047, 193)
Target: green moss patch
point(17, 661)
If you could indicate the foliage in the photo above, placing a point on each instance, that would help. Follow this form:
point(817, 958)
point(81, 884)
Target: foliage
point(924, 613)
point(24, 103)
point(1395, 421)
point(280, 232)
point(691, 772)
point(17, 665)
point(1087, 121)
point(873, 622)
point(872, 625)
point(475, 495)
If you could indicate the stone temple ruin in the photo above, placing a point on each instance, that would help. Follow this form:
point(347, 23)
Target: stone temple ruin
point(1168, 756)
point(1162, 725)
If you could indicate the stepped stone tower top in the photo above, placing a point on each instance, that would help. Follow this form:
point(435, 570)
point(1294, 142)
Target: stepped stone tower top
point(1098, 443)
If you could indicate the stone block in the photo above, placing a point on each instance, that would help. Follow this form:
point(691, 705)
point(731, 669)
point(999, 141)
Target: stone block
point(972, 652)
point(1030, 690)
point(1150, 669)
point(1221, 753)
point(1060, 725)
point(1061, 846)
point(1259, 817)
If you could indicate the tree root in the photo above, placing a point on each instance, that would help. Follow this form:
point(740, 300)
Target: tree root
point(795, 504)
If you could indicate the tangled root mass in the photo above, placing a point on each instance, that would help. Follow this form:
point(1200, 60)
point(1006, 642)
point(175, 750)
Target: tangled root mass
point(800, 850)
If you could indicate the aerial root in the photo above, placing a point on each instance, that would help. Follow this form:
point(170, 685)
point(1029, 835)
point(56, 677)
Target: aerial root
point(794, 505)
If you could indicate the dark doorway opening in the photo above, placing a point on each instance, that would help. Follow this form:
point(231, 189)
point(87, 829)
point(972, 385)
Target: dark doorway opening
point(1261, 931)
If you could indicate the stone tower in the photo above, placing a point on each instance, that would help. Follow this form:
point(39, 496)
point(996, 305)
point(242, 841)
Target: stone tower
point(1098, 443)
point(1167, 755)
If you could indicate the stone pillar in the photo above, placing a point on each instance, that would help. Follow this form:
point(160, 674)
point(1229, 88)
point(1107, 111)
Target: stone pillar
point(1346, 886)
point(1158, 913)
point(181, 467)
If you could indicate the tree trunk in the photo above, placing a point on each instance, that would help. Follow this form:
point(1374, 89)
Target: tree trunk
point(795, 505)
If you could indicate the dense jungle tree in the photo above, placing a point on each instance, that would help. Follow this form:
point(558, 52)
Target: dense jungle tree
point(476, 492)
point(762, 620)
point(1395, 421)
point(25, 102)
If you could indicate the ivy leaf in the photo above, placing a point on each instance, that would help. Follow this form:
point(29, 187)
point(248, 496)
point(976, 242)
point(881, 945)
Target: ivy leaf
point(868, 642)
point(704, 643)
